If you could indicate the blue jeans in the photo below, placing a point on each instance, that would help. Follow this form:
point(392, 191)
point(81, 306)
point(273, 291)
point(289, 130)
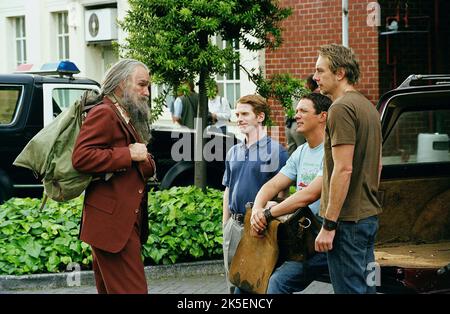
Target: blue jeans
point(353, 251)
point(294, 276)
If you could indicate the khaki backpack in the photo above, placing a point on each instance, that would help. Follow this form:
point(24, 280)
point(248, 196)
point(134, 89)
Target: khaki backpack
point(49, 153)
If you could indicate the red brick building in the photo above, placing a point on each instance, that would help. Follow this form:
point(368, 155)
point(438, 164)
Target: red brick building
point(386, 58)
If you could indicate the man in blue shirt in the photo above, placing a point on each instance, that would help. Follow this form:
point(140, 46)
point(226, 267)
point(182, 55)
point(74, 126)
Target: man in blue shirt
point(248, 166)
point(304, 167)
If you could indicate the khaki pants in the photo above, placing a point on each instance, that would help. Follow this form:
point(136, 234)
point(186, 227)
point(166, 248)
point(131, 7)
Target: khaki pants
point(232, 234)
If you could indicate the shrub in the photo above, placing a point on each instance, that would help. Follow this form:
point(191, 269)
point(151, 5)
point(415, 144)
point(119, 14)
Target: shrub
point(185, 225)
point(40, 240)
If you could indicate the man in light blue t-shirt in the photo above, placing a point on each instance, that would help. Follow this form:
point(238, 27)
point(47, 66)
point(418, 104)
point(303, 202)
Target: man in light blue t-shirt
point(304, 167)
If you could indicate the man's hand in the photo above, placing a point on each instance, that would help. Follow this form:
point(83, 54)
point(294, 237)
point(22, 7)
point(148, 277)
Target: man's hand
point(324, 240)
point(258, 222)
point(138, 152)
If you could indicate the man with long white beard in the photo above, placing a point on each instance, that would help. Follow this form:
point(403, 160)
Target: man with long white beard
point(112, 147)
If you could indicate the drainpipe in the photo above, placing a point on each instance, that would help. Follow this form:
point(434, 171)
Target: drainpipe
point(345, 23)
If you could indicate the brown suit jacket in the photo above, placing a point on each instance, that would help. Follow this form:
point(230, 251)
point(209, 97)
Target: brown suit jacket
point(111, 206)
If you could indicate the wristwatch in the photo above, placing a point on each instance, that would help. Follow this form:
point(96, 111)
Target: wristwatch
point(329, 225)
point(268, 214)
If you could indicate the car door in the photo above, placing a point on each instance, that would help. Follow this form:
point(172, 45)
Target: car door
point(57, 97)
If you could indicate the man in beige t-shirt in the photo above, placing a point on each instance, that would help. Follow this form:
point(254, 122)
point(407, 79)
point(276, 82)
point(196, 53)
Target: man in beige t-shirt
point(351, 172)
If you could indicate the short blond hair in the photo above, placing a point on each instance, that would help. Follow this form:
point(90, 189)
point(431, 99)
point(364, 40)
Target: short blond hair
point(342, 57)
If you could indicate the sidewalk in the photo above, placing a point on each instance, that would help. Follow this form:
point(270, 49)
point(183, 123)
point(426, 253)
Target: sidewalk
point(184, 278)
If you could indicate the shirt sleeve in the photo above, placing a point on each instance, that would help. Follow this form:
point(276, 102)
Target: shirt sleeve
point(178, 107)
point(225, 112)
point(342, 124)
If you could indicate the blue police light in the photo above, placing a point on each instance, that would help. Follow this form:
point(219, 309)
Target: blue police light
point(62, 68)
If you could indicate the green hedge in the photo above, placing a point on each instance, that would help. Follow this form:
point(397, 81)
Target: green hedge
point(185, 225)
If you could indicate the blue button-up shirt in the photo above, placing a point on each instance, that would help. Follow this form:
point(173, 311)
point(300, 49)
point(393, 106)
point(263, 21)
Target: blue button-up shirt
point(248, 168)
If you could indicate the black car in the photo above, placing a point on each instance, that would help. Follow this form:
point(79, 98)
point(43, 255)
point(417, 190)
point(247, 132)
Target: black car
point(27, 103)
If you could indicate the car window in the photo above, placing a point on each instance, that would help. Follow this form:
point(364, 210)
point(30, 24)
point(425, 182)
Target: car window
point(419, 137)
point(9, 102)
point(63, 97)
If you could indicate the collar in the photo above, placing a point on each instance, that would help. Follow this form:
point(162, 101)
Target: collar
point(122, 111)
point(262, 142)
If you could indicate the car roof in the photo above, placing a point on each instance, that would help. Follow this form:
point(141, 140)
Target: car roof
point(417, 83)
point(19, 78)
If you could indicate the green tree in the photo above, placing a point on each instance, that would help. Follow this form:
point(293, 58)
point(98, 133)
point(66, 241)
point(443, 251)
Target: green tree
point(172, 38)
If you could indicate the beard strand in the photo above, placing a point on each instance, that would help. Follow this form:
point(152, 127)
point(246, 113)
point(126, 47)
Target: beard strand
point(138, 110)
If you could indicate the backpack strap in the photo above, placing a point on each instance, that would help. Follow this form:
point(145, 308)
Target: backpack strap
point(89, 107)
point(44, 201)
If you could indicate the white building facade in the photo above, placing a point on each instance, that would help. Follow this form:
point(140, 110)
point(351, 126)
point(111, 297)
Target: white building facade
point(34, 32)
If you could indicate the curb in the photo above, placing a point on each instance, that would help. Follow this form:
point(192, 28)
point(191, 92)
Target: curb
point(86, 278)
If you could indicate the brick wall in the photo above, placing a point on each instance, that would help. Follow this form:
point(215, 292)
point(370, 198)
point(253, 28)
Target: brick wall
point(314, 23)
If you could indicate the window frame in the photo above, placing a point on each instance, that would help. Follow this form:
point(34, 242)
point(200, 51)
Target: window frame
point(62, 37)
point(223, 80)
point(19, 105)
point(20, 39)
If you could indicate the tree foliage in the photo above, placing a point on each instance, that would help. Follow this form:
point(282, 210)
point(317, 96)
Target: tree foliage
point(282, 87)
point(167, 34)
point(173, 37)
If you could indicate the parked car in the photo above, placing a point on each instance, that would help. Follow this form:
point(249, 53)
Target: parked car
point(413, 242)
point(173, 150)
point(30, 101)
point(27, 103)
point(413, 246)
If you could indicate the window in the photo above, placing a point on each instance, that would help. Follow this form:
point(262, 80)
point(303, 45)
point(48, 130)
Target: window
point(64, 97)
point(20, 39)
point(63, 36)
point(419, 137)
point(229, 83)
point(9, 102)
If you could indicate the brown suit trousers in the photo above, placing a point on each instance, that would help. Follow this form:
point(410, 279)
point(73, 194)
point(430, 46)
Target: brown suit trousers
point(121, 272)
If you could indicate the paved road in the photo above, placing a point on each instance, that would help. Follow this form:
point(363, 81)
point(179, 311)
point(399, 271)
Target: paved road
point(209, 284)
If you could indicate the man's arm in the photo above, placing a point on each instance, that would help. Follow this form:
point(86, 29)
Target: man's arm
point(270, 189)
point(340, 179)
point(226, 211)
point(299, 199)
point(94, 150)
point(339, 184)
point(178, 109)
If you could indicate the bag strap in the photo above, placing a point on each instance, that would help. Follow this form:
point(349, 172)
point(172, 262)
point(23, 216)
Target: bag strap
point(44, 201)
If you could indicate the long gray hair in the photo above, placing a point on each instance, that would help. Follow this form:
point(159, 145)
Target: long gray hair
point(118, 73)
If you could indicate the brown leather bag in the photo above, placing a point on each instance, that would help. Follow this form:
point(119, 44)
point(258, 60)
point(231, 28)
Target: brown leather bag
point(256, 258)
point(297, 235)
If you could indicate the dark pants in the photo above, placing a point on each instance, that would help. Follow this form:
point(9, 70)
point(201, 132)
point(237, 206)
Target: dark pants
point(121, 272)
